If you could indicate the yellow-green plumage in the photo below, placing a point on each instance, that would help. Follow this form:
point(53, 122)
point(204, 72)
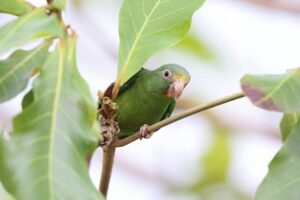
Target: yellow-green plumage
point(144, 100)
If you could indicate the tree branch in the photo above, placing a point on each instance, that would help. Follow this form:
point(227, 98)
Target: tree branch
point(174, 118)
point(108, 162)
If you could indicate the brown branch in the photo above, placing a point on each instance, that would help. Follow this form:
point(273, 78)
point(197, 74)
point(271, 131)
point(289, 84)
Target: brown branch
point(224, 122)
point(108, 162)
point(109, 128)
point(174, 118)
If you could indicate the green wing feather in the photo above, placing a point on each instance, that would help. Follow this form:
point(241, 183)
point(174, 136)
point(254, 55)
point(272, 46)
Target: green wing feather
point(129, 83)
point(169, 110)
point(124, 87)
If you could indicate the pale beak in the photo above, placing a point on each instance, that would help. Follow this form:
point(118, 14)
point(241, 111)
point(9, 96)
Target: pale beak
point(176, 88)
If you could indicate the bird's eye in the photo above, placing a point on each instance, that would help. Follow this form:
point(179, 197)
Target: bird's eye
point(167, 73)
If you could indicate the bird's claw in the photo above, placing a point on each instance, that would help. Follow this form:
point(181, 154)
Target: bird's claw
point(144, 132)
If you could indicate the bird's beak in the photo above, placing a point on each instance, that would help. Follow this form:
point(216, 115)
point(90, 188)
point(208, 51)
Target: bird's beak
point(176, 88)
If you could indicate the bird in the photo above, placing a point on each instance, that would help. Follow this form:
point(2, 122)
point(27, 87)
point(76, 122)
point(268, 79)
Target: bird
point(148, 97)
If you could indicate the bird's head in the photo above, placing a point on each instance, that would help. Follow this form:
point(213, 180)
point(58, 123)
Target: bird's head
point(175, 77)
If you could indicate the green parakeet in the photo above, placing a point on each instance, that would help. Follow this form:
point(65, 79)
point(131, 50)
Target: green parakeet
point(148, 97)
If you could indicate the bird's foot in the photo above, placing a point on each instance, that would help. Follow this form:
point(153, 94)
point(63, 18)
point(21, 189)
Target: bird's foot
point(144, 132)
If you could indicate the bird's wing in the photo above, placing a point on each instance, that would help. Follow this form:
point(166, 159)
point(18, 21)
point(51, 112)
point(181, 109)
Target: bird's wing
point(129, 83)
point(169, 110)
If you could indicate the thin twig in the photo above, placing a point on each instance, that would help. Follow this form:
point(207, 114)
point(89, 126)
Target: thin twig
point(174, 118)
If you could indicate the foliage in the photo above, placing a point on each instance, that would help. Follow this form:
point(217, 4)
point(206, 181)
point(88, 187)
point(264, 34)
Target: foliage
point(45, 157)
point(283, 179)
point(288, 123)
point(274, 92)
point(60, 4)
point(216, 161)
point(16, 70)
point(15, 7)
point(197, 46)
point(4, 195)
point(36, 24)
point(280, 93)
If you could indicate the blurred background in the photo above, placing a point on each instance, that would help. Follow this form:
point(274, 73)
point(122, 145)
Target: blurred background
point(222, 153)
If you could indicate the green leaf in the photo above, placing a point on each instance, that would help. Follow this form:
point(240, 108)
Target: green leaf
point(16, 70)
point(60, 4)
point(36, 24)
point(4, 195)
point(274, 92)
point(196, 46)
point(52, 137)
point(283, 178)
point(27, 100)
point(145, 27)
point(288, 123)
point(215, 162)
point(15, 7)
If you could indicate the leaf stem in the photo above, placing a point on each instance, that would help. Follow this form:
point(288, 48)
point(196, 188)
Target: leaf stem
point(174, 118)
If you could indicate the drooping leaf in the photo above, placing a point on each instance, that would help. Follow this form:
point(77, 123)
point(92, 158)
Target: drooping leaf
point(16, 70)
point(283, 178)
point(36, 24)
point(60, 4)
point(46, 156)
point(274, 92)
point(145, 27)
point(196, 46)
point(288, 123)
point(15, 7)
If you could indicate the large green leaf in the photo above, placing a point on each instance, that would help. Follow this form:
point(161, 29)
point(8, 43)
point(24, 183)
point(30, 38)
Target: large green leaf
point(274, 92)
point(15, 7)
point(16, 70)
point(283, 179)
point(288, 123)
point(147, 26)
point(52, 137)
point(36, 24)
